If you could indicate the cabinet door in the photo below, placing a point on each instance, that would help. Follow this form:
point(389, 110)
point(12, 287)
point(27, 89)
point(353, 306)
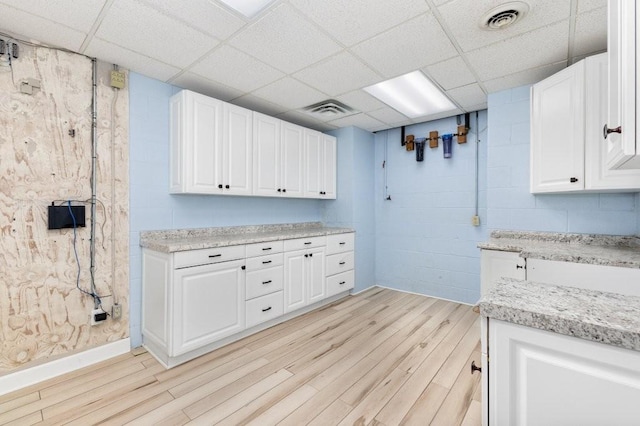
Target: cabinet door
point(237, 143)
point(208, 304)
point(557, 132)
point(316, 278)
point(495, 264)
point(621, 147)
point(329, 167)
point(541, 378)
point(292, 163)
point(314, 163)
point(295, 288)
point(266, 155)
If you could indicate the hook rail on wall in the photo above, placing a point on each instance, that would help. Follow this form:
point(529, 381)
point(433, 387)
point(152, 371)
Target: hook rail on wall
point(410, 142)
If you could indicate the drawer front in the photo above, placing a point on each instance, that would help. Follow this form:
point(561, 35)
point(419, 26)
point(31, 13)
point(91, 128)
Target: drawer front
point(340, 282)
point(264, 262)
point(341, 262)
point(262, 249)
point(183, 259)
point(264, 282)
point(304, 243)
point(340, 243)
point(264, 308)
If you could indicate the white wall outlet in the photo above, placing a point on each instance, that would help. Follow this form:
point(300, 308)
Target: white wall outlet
point(475, 220)
point(116, 311)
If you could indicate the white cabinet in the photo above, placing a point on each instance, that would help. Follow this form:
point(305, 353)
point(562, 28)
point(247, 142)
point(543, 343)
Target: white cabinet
point(211, 146)
point(568, 150)
point(292, 168)
point(496, 264)
point(208, 304)
point(320, 165)
point(538, 377)
point(304, 278)
point(340, 263)
point(622, 148)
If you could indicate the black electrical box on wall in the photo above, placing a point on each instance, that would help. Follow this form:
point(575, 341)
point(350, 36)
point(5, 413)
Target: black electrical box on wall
point(60, 217)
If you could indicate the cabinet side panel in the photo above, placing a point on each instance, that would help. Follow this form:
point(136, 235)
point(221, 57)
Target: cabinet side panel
point(176, 178)
point(154, 298)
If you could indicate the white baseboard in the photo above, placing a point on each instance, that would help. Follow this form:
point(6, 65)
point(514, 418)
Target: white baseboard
point(425, 295)
point(39, 373)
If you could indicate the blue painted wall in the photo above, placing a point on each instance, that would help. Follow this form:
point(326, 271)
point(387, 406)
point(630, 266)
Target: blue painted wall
point(511, 206)
point(425, 242)
point(152, 207)
point(354, 207)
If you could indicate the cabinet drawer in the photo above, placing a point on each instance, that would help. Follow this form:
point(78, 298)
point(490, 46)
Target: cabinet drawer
point(183, 259)
point(264, 262)
point(340, 282)
point(261, 249)
point(341, 262)
point(340, 243)
point(264, 308)
point(304, 243)
point(264, 282)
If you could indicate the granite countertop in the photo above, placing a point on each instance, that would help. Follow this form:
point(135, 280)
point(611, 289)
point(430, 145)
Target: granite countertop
point(608, 250)
point(602, 317)
point(170, 241)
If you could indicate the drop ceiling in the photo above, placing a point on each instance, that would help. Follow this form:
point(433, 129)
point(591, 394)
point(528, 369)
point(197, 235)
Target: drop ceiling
point(300, 52)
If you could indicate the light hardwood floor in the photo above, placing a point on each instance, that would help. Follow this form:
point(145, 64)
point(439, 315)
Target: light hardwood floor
point(379, 358)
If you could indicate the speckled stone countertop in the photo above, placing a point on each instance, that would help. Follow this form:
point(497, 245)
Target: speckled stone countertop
point(170, 241)
point(609, 250)
point(601, 317)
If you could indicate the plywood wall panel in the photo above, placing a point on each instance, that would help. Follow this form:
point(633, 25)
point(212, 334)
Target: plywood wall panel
point(42, 313)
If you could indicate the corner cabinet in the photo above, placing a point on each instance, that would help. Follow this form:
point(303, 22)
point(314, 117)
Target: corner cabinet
point(568, 149)
point(620, 124)
point(222, 149)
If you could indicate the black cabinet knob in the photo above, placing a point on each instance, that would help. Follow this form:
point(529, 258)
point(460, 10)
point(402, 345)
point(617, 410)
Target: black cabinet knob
point(606, 130)
point(226, 186)
point(306, 255)
point(284, 190)
point(279, 190)
point(475, 368)
point(311, 255)
point(220, 186)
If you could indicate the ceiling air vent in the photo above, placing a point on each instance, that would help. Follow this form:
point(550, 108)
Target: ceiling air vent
point(329, 110)
point(504, 15)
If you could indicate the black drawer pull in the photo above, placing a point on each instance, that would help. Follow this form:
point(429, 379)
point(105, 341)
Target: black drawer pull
point(266, 282)
point(342, 282)
point(264, 262)
point(215, 255)
point(307, 243)
point(266, 248)
point(342, 263)
point(343, 243)
point(266, 309)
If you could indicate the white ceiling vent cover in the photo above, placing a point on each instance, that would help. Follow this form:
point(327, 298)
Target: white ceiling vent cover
point(504, 15)
point(329, 110)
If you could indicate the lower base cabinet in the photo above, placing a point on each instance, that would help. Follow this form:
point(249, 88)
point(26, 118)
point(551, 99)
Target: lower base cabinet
point(304, 280)
point(538, 377)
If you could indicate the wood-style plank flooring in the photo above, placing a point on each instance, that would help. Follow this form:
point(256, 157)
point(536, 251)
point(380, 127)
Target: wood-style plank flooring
point(379, 358)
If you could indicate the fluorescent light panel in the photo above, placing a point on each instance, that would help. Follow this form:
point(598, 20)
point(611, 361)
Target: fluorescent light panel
point(248, 8)
point(413, 94)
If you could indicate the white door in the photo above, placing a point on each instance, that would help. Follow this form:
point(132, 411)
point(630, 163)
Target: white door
point(557, 132)
point(329, 169)
point(208, 304)
point(542, 378)
point(496, 264)
point(314, 163)
point(266, 155)
point(237, 143)
point(316, 280)
point(292, 163)
point(295, 287)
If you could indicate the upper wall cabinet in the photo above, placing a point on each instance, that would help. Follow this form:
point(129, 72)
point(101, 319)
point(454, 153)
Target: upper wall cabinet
point(568, 150)
point(211, 145)
point(219, 148)
point(623, 150)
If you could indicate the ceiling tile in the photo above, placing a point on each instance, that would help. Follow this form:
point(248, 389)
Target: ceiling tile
point(286, 40)
point(591, 32)
point(353, 21)
point(290, 93)
point(451, 73)
point(142, 29)
point(204, 15)
point(410, 46)
point(529, 76)
point(338, 74)
point(467, 96)
point(236, 69)
point(388, 115)
point(79, 15)
point(302, 119)
point(522, 52)
point(466, 26)
point(363, 121)
point(111, 53)
point(16, 22)
point(205, 86)
point(255, 103)
point(587, 5)
point(360, 101)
